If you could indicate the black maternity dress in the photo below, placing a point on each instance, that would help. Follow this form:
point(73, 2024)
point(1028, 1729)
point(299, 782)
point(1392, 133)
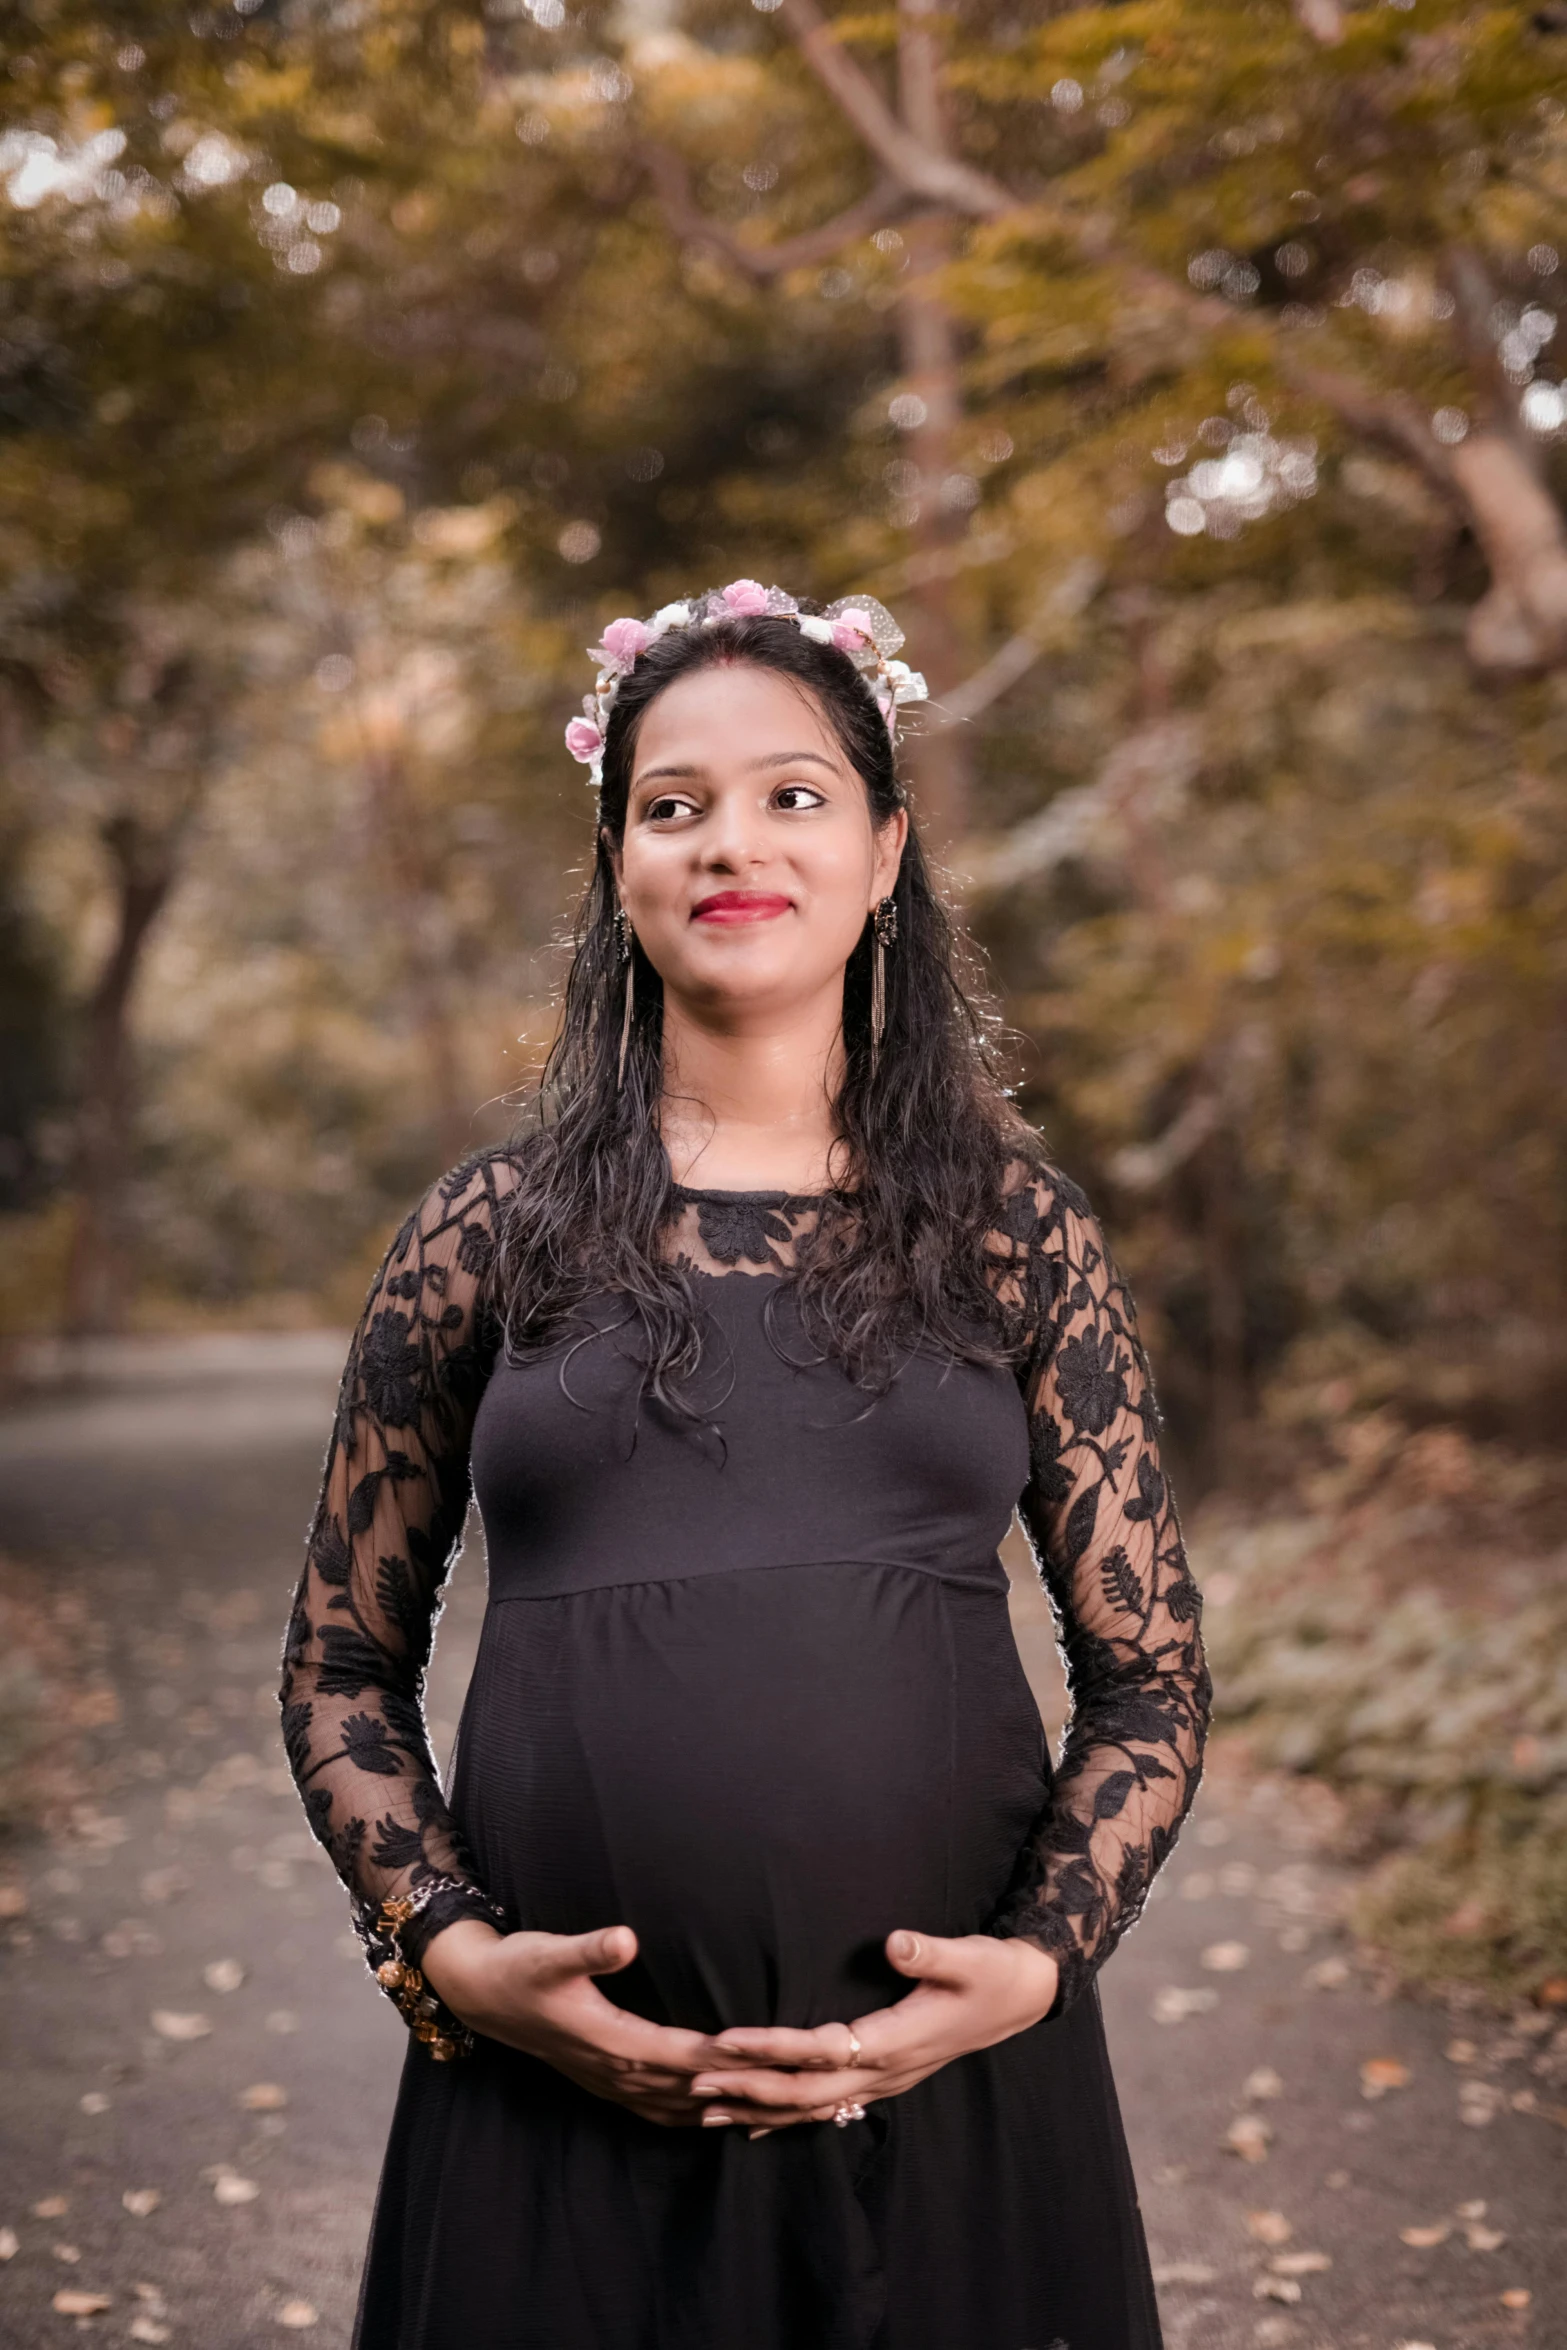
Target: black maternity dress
point(747, 1683)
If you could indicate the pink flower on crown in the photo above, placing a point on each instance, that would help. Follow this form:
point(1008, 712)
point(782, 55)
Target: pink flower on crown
point(584, 741)
point(851, 629)
point(746, 596)
point(623, 641)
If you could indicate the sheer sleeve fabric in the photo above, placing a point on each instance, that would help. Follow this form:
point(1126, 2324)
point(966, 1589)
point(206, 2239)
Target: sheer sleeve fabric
point(394, 1498)
point(1102, 1524)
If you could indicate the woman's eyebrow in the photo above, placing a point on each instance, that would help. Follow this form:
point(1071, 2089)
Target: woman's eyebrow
point(685, 774)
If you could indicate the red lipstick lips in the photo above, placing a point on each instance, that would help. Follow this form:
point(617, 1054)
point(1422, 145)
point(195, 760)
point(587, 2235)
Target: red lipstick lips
point(731, 906)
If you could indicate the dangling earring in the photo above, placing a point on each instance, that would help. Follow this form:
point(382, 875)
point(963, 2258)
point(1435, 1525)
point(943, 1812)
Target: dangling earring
point(624, 941)
point(884, 933)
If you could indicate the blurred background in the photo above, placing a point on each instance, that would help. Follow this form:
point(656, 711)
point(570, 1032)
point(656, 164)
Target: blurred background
point(1187, 378)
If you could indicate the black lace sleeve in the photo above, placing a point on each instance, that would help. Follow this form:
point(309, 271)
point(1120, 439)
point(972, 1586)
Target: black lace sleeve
point(1100, 1518)
point(393, 1500)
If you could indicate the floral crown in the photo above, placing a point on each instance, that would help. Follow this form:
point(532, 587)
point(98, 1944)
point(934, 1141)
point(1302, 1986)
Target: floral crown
point(857, 625)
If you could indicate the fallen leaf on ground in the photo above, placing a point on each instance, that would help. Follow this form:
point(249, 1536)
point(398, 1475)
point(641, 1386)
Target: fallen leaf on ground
point(95, 2102)
point(224, 1974)
point(1554, 1992)
point(70, 2302)
point(147, 2329)
point(1474, 2210)
point(1249, 2137)
point(1517, 2297)
point(1275, 2289)
point(1469, 1918)
point(298, 2313)
point(1185, 2272)
point(229, 2187)
point(10, 2243)
point(131, 1939)
point(1264, 2082)
point(164, 1884)
point(1460, 2052)
point(1423, 2239)
point(1481, 2239)
point(1172, 2006)
point(13, 1901)
point(69, 2253)
point(263, 2097)
point(1479, 2102)
point(1380, 2073)
point(1268, 2227)
point(1329, 1974)
point(1301, 2264)
point(52, 2207)
point(141, 2202)
point(1226, 1958)
point(1336, 2179)
point(171, 2024)
point(1414, 2346)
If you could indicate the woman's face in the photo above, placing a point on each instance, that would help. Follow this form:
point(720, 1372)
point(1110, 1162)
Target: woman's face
point(750, 860)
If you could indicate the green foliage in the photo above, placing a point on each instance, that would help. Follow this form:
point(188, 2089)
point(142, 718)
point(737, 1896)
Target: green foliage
point(1404, 1646)
point(1481, 1909)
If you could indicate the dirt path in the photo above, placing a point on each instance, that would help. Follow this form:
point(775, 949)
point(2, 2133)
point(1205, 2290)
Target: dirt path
point(199, 2074)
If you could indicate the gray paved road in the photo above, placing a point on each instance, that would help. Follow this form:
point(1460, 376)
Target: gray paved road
point(187, 1945)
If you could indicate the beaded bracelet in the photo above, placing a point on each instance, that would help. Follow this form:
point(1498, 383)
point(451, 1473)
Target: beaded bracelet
point(428, 2017)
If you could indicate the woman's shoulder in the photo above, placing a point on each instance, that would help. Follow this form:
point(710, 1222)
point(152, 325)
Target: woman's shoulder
point(1038, 1200)
point(466, 1203)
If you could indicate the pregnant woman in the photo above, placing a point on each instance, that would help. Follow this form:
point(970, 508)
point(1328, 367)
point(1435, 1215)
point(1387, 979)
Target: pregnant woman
point(749, 1959)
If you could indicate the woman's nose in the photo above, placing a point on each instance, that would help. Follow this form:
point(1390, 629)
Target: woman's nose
point(732, 841)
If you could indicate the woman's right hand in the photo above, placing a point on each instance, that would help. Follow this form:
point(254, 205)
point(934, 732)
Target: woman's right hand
point(536, 1992)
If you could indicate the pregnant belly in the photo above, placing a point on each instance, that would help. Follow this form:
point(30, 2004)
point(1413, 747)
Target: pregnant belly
point(762, 1772)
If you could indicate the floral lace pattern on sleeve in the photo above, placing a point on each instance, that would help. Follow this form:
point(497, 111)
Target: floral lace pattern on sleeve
point(393, 1501)
point(1102, 1523)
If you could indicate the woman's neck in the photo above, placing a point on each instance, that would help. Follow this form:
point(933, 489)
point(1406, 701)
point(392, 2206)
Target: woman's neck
point(749, 1107)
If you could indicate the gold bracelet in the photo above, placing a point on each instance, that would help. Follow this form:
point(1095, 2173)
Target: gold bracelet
point(427, 2016)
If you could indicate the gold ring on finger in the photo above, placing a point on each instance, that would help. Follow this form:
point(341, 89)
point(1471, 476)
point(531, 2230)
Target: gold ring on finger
point(855, 2051)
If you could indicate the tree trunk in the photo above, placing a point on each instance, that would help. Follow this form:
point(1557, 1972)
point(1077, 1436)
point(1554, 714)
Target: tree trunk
point(1520, 625)
point(98, 1271)
point(940, 762)
point(420, 921)
point(1226, 1302)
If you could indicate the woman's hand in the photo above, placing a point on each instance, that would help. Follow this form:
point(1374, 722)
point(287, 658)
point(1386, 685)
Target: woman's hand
point(536, 1992)
point(971, 1991)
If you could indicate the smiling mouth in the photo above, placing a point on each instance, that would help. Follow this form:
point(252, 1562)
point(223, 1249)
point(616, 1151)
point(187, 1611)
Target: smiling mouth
point(729, 906)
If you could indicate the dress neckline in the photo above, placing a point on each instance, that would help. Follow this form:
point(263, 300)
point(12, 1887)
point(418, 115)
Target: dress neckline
point(760, 1199)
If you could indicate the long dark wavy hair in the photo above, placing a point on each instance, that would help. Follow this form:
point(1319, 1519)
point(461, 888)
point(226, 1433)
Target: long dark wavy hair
point(896, 1258)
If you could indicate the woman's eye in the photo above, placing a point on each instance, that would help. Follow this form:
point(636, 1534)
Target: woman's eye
point(666, 806)
point(797, 795)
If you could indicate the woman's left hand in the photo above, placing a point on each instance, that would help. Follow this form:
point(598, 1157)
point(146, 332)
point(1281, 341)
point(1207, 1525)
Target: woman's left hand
point(971, 1990)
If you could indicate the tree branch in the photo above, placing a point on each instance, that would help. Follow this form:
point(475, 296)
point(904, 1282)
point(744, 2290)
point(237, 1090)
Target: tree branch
point(1323, 20)
point(1393, 418)
point(925, 173)
point(1018, 655)
point(692, 226)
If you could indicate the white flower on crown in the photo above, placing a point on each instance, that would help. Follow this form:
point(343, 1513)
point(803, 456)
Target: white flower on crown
point(858, 625)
